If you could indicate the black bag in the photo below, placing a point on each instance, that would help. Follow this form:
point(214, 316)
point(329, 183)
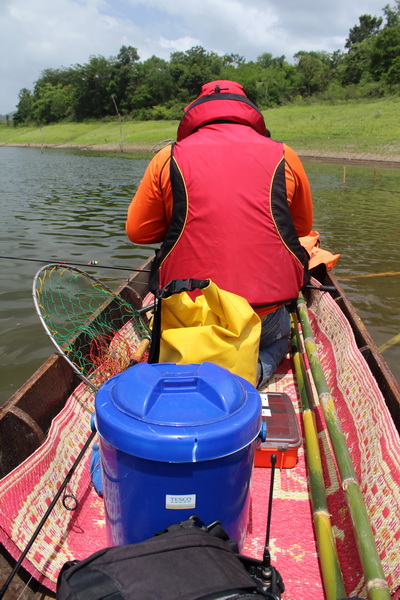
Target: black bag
point(187, 561)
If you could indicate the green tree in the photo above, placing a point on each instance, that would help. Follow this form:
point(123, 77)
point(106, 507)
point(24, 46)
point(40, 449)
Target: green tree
point(356, 64)
point(128, 55)
point(314, 70)
point(234, 60)
point(191, 69)
point(392, 14)
point(94, 88)
point(126, 72)
point(266, 61)
point(24, 107)
point(284, 85)
point(63, 76)
point(385, 55)
point(373, 52)
point(368, 27)
point(52, 103)
point(158, 79)
point(272, 80)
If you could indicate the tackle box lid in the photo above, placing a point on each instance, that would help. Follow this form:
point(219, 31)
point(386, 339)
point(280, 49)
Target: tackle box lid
point(278, 413)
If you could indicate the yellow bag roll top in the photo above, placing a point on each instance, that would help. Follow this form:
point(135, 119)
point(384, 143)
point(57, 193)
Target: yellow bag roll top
point(217, 326)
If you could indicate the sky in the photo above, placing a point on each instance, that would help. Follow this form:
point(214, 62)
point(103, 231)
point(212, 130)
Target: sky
point(41, 34)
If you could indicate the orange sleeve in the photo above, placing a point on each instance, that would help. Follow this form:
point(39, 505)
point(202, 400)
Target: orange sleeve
point(298, 192)
point(150, 210)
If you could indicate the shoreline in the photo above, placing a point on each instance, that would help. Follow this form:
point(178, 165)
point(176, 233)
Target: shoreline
point(310, 155)
point(344, 158)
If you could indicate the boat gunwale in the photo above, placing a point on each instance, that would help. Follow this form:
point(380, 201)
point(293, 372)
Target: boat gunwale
point(384, 377)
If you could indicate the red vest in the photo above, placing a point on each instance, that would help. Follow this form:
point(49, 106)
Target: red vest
point(230, 220)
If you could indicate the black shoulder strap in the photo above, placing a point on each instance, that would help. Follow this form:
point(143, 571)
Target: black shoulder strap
point(176, 286)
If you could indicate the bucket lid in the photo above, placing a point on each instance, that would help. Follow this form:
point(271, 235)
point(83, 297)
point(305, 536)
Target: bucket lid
point(178, 413)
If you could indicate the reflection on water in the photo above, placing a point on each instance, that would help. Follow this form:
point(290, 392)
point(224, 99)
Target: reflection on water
point(71, 206)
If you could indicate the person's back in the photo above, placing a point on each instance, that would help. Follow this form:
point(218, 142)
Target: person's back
point(228, 204)
point(230, 197)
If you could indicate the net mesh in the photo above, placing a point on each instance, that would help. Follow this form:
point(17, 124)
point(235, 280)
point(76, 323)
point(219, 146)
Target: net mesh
point(88, 322)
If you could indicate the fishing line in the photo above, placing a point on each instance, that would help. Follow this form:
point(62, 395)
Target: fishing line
point(25, 588)
point(91, 263)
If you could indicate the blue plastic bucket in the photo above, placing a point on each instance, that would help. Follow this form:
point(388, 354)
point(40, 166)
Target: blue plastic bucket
point(176, 440)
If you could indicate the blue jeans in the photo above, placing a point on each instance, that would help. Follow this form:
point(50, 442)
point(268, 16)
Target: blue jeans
point(275, 333)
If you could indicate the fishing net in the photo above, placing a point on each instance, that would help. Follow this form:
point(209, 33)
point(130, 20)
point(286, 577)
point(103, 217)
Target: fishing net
point(85, 320)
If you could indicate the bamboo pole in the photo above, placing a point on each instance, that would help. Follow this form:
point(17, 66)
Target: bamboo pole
point(392, 342)
point(367, 275)
point(330, 567)
point(377, 587)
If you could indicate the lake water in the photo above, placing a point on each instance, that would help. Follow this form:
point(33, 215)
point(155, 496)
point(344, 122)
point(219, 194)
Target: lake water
point(71, 206)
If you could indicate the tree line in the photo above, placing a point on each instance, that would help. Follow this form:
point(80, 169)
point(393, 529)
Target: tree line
point(122, 85)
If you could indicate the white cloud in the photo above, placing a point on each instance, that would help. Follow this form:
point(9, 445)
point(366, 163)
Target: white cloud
point(40, 34)
point(181, 44)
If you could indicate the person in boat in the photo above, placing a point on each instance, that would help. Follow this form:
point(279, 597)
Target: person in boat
point(228, 203)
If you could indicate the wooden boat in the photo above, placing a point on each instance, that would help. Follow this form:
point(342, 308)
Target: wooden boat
point(25, 421)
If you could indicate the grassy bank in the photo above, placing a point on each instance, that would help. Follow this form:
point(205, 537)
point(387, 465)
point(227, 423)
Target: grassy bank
point(370, 128)
point(95, 133)
point(362, 129)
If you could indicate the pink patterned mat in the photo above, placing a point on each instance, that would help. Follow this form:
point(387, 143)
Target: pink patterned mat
point(373, 442)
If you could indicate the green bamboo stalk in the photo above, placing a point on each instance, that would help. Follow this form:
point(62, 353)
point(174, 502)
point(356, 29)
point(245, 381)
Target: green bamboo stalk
point(330, 567)
point(377, 587)
point(394, 340)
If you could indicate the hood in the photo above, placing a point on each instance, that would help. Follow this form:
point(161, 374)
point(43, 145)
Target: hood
point(220, 100)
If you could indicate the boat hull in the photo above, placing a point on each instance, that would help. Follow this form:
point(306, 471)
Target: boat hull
point(54, 381)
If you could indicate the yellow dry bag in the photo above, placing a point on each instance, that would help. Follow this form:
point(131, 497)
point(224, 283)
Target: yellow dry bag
point(216, 326)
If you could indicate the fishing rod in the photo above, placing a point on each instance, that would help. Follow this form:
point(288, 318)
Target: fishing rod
point(90, 263)
point(57, 496)
point(95, 263)
point(38, 529)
